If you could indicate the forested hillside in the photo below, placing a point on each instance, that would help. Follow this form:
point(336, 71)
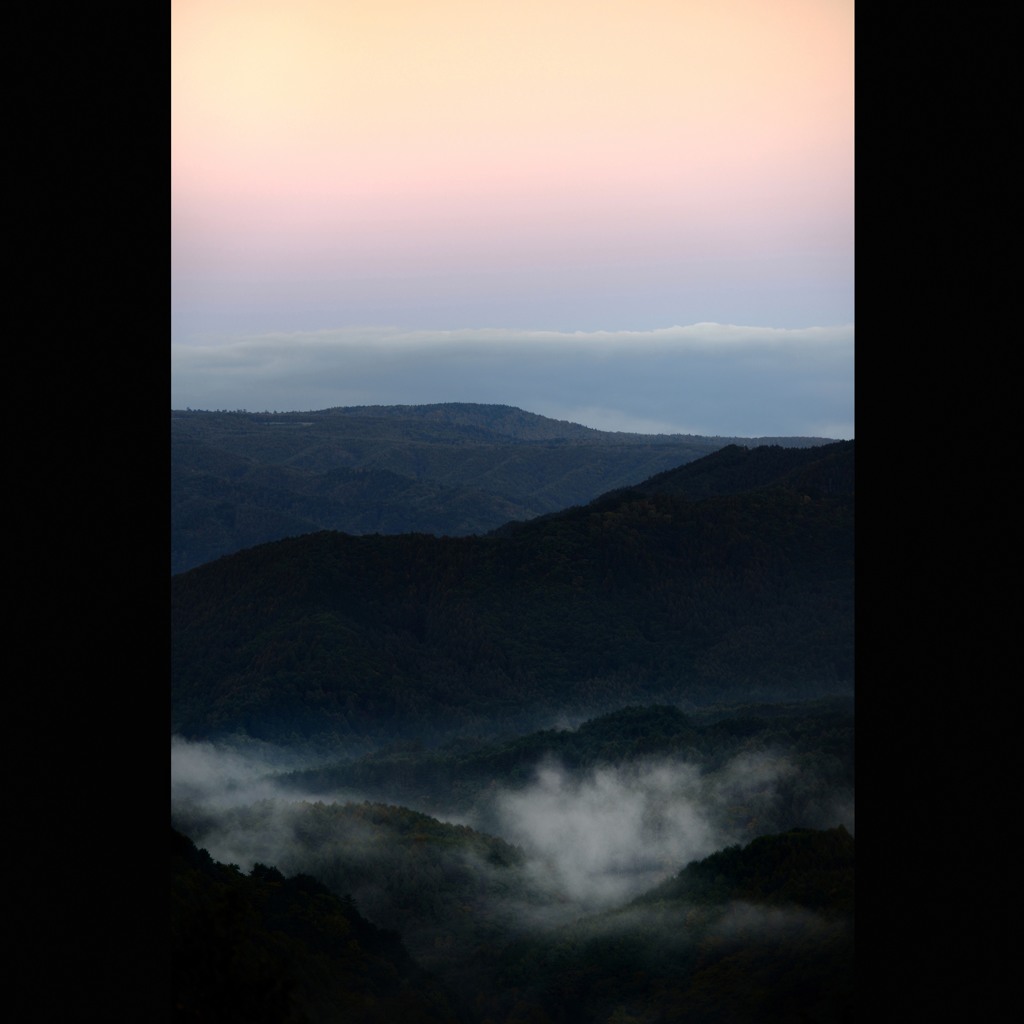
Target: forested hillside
point(259, 948)
point(592, 768)
point(756, 935)
point(458, 777)
point(760, 934)
point(239, 479)
point(730, 578)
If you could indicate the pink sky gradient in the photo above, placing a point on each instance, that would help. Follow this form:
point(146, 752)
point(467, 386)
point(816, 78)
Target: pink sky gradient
point(564, 164)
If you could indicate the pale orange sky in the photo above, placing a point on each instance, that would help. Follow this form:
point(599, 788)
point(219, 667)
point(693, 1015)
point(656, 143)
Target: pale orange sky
point(422, 162)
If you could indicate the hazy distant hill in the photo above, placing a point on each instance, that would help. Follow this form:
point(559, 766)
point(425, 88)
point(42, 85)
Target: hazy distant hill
point(239, 479)
point(727, 578)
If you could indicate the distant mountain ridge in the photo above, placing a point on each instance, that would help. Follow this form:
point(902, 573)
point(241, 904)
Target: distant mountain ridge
point(239, 479)
point(742, 591)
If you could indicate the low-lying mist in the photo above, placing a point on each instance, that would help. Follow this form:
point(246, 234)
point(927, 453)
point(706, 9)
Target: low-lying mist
point(588, 840)
point(608, 835)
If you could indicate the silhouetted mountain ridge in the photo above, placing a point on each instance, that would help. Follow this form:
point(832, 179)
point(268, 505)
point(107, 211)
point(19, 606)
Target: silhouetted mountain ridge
point(644, 594)
point(239, 479)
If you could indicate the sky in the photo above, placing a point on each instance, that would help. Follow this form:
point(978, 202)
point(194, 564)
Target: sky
point(635, 214)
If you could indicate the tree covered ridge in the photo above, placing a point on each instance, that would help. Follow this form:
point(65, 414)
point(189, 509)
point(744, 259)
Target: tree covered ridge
point(643, 594)
point(239, 479)
point(817, 738)
point(761, 934)
point(802, 866)
point(725, 939)
point(265, 948)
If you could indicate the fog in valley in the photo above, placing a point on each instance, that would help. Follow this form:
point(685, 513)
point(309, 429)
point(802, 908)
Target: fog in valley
point(584, 841)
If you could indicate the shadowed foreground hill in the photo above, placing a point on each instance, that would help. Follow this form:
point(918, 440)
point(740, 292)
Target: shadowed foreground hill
point(241, 479)
point(262, 947)
point(742, 591)
point(761, 934)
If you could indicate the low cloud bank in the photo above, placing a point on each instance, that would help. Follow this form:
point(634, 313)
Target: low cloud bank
point(710, 379)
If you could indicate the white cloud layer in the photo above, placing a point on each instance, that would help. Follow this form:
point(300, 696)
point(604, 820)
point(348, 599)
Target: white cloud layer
point(710, 379)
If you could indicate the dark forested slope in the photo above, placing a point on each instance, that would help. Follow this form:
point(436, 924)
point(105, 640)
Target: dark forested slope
point(260, 947)
point(744, 591)
point(761, 933)
point(240, 479)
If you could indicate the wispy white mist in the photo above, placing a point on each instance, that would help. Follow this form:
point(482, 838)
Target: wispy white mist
point(611, 834)
point(593, 839)
point(221, 775)
point(226, 796)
